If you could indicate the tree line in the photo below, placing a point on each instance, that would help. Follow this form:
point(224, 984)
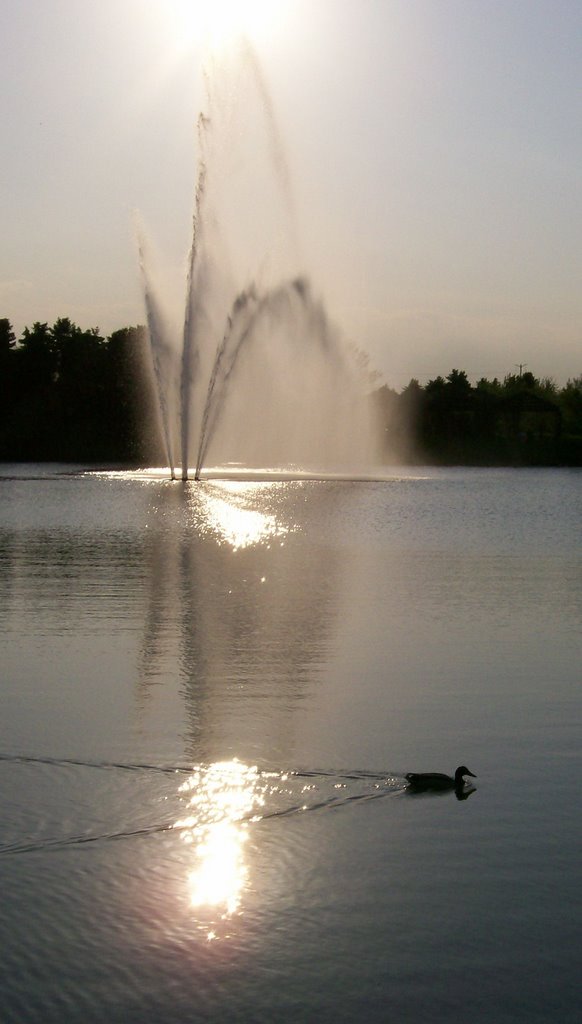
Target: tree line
point(521, 420)
point(72, 395)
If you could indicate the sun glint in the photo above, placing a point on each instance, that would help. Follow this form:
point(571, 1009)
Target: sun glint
point(221, 800)
point(217, 22)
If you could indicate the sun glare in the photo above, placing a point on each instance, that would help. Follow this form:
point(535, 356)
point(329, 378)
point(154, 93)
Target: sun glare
point(222, 799)
point(222, 511)
point(216, 23)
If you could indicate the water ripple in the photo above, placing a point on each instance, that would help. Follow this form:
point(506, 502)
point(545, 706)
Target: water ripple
point(282, 794)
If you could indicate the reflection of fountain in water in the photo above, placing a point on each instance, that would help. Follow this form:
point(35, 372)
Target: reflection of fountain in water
point(232, 611)
point(262, 378)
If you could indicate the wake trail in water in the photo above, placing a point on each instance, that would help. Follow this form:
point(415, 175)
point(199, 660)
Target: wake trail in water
point(333, 803)
point(64, 762)
point(34, 846)
point(300, 773)
point(377, 786)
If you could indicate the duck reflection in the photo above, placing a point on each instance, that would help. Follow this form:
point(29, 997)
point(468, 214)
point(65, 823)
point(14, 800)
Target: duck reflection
point(460, 794)
point(223, 799)
point(466, 792)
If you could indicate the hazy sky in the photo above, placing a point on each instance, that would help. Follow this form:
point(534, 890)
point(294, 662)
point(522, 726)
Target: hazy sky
point(434, 146)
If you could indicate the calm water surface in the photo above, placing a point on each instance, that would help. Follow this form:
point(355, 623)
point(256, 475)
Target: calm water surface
point(209, 696)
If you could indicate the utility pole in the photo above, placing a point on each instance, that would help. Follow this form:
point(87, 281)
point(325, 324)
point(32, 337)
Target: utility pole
point(521, 367)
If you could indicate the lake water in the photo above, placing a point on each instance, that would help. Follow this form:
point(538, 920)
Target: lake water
point(209, 696)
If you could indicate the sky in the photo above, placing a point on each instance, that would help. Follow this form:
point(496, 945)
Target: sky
point(434, 150)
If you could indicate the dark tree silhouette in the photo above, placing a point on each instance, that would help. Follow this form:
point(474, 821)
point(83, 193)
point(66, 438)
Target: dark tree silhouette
point(522, 421)
point(69, 394)
point(7, 338)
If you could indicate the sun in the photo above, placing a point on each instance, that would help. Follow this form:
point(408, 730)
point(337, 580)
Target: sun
point(215, 23)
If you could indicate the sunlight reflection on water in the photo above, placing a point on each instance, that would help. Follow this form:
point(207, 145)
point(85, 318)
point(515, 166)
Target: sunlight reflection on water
point(226, 515)
point(223, 799)
point(400, 627)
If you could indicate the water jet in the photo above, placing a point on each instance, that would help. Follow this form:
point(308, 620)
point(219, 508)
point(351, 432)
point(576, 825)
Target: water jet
point(260, 375)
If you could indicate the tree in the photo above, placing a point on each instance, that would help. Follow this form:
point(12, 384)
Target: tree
point(570, 401)
point(458, 380)
point(36, 358)
point(133, 409)
point(492, 387)
point(7, 368)
point(436, 386)
point(7, 338)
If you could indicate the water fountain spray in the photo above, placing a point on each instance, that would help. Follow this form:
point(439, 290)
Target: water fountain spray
point(272, 339)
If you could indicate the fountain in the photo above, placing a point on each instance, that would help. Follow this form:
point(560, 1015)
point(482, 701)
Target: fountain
point(260, 376)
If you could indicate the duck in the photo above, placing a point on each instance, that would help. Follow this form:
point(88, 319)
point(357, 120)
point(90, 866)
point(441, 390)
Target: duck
point(437, 781)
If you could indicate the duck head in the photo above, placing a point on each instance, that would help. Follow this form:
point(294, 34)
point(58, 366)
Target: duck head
point(460, 773)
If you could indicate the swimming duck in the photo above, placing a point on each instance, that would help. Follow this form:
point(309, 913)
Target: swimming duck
point(437, 780)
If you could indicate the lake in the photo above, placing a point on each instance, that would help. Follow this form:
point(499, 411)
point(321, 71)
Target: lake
point(210, 694)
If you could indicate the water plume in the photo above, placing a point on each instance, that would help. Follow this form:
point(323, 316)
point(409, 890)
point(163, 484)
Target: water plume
point(160, 349)
point(238, 326)
point(193, 317)
point(263, 376)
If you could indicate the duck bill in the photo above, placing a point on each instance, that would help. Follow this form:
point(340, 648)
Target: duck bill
point(473, 776)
